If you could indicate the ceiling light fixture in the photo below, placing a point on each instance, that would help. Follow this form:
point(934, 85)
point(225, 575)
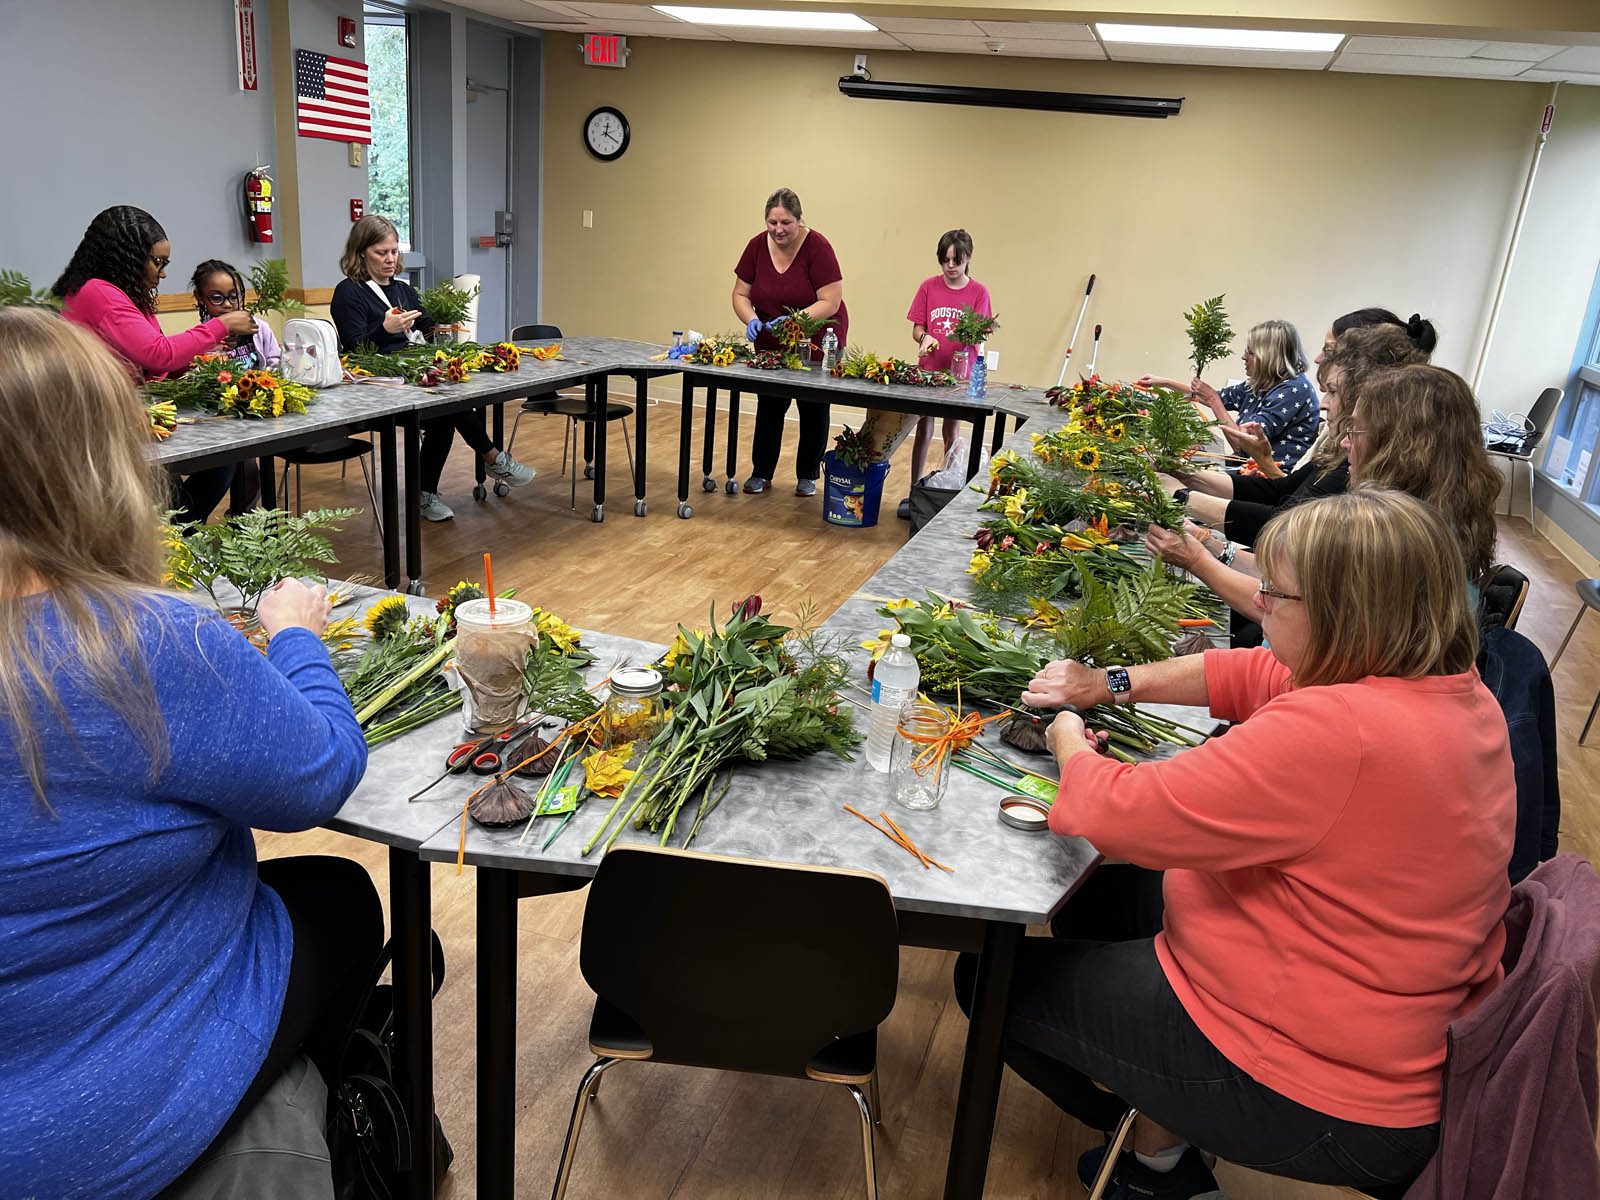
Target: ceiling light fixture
point(756, 18)
point(1281, 40)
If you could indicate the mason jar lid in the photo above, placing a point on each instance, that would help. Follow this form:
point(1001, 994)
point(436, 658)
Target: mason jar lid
point(636, 681)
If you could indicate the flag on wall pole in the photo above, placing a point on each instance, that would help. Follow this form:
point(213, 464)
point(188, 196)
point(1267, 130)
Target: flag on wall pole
point(331, 99)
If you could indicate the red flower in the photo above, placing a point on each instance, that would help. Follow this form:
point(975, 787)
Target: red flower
point(1007, 542)
point(749, 607)
point(1041, 548)
point(224, 378)
point(984, 538)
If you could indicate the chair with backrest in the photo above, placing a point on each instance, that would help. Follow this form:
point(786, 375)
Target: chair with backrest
point(576, 411)
point(1520, 449)
point(735, 965)
point(319, 454)
point(1502, 596)
point(1589, 593)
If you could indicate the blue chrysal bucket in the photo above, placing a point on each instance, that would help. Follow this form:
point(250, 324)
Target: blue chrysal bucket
point(851, 496)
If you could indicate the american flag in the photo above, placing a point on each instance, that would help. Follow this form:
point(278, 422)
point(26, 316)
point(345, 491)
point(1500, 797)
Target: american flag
point(331, 98)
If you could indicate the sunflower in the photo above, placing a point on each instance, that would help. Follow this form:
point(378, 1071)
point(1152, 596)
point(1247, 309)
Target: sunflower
point(1115, 433)
point(387, 617)
point(1086, 459)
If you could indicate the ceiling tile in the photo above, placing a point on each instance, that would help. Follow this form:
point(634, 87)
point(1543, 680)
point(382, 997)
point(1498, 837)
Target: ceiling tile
point(1400, 64)
point(1516, 51)
point(521, 10)
point(807, 37)
point(1575, 58)
point(1416, 47)
point(924, 25)
point(1544, 75)
point(1043, 31)
point(662, 29)
point(1203, 56)
point(1027, 48)
point(938, 44)
point(619, 12)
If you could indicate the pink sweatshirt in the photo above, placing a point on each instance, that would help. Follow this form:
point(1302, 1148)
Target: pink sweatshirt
point(136, 335)
point(1335, 875)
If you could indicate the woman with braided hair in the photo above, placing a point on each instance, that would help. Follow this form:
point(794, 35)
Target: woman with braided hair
point(110, 287)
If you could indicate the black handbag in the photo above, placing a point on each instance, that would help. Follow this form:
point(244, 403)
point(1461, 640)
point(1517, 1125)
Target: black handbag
point(369, 1137)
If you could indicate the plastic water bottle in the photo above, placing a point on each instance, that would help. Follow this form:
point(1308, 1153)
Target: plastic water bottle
point(894, 684)
point(978, 381)
point(830, 352)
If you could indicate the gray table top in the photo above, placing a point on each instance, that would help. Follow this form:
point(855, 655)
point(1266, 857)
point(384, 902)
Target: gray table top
point(792, 811)
point(334, 408)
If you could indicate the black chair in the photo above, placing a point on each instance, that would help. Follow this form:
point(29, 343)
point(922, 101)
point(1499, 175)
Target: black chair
point(1521, 450)
point(319, 454)
point(571, 407)
point(735, 965)
point(1502, 597)
point(1589, 593)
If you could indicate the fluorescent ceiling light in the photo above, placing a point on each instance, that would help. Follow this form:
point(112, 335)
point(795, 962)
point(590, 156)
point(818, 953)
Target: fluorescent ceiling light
point(762, 19)
point(1218, 39)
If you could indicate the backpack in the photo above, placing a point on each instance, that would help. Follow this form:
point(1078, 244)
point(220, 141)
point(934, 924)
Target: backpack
point(311, 353)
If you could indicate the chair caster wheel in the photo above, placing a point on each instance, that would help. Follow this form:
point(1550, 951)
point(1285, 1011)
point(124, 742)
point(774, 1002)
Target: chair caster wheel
point(480, 493)
point(597, 514)
point(588, 470)
point(414, 588)
point(684, 510)
point(502, 488)
point(733, 487)
point(640, 508)
point(708, 484)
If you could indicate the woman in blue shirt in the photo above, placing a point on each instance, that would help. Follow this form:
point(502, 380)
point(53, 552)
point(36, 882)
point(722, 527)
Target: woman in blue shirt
point(1276, 395)
point(151, 987)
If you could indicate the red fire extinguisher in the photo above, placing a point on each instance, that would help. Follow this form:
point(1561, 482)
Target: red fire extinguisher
point(258, 204)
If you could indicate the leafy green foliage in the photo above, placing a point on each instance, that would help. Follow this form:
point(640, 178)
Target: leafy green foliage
point(1210, 336)
point(255, 549)
point(269, 279)
point(447, 304)
point(1123, 621)
point(554, 681)
point(16, 291)
point(972, 327)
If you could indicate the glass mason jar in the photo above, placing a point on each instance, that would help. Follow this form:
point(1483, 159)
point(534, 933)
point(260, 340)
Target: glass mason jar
point(635, 707)
point(917, 775)
point(961, 363)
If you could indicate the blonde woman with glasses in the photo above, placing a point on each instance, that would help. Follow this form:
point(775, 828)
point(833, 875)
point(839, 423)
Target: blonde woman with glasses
point(1276, 395)
point(155, 981)
point(1316, 896)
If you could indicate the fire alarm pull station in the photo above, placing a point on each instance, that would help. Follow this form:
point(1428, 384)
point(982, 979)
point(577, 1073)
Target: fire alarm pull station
point(358, 208)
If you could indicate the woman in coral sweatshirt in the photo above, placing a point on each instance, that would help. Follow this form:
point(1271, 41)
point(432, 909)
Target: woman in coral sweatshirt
point(110, 287)
point(1314, 920)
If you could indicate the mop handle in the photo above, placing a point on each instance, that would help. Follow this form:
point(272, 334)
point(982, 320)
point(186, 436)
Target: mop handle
point(1096, 356)
point(1082, 308)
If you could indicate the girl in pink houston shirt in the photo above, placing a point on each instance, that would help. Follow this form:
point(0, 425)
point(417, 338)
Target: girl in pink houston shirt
point(1322, 890)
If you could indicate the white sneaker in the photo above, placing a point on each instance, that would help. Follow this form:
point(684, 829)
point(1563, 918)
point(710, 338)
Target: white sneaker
point(435, 509)
point(509, 470)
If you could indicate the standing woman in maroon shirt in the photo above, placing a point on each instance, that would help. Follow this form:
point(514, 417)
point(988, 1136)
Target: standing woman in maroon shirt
point(788, 266)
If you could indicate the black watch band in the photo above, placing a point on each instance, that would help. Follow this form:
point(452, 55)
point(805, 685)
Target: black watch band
point(1118, 683)
point(1181, 495)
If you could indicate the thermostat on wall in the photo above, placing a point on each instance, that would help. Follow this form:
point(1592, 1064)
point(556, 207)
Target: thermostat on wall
point(605, 50)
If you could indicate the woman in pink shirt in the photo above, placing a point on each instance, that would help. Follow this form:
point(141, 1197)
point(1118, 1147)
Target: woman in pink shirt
point(110, 287)
point(933, 314)
point(1331, 873)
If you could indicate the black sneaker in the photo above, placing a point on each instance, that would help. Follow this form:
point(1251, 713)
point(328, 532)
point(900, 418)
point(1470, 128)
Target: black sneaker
point(1130, 1179)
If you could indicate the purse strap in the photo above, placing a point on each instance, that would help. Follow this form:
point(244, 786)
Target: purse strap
point(412, 336)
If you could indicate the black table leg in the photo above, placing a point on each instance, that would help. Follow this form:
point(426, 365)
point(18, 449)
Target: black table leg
point(982, 1064)
point(685, 441)
point(500, 426)
point(975, 449)
point(641, 410)
point(599, 403)
point(733, 442)
point(413, 436)
point(389, 475)
point(708, 484)
point(269, 482)
point(411, 923)
point(999, 433)
point(480, 469)
point(497, 1033)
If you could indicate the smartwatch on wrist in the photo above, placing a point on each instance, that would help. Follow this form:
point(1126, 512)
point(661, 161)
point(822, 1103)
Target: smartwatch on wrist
point(1181, 495)
point(1229, 552)
point(1118, 683)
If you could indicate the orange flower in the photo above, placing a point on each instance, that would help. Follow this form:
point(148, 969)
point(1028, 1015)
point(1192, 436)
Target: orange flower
point(224, 378)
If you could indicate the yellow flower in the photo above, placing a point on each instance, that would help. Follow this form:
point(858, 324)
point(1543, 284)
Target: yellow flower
point(1002, 460)
point(979, 564)
point(879, 644)
point(1086, 459)
point(387, 617)
point(1016, 506)
point(680, 648)
point(1044, 616)
point(1115, 433)
point(341, 630)
point(605, 771)
point(943, 613)
point(558, 631)
point(897, 605)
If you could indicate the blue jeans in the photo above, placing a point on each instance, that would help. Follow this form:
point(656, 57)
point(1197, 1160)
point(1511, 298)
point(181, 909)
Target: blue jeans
point(1101, 1011)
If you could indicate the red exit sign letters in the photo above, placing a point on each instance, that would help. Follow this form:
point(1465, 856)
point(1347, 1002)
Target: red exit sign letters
point(605, 50)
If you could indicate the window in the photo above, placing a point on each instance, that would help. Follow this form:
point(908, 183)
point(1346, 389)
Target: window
point(389, 158)
point(1574, 438)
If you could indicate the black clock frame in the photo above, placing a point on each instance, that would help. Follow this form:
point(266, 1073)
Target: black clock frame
point(627, 133)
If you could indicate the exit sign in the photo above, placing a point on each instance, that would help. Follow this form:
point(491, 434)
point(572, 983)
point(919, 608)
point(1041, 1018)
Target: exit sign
point(605, 50)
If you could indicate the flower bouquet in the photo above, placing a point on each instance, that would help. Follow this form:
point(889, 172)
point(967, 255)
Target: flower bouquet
point(214, 383)
point(856, 363)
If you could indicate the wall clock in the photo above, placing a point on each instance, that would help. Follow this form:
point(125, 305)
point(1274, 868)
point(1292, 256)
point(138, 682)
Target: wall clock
point(606, 133)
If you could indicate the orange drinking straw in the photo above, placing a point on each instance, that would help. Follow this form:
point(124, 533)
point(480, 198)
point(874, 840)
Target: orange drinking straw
point(488, 579)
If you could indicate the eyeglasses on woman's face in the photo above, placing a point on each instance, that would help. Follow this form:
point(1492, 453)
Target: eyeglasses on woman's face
point(1266, 589)
point(161, 262)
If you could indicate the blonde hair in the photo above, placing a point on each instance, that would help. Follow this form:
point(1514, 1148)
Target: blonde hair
point(1278, 354)
point(1383, 585)
point(1424, 437)
point(88, 532)
point(364, 234)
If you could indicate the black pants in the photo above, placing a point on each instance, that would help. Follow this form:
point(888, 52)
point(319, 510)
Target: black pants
point(338, 935)
point(437, 436)
point(1090, 1009)
point(195, 496)
point(768, 440)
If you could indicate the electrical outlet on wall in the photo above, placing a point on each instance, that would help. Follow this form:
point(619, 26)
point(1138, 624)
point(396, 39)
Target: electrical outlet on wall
point(588, 218)
point(992, 359)
point(861, 65)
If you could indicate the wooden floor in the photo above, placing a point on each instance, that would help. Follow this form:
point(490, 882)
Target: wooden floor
point(670, 1132)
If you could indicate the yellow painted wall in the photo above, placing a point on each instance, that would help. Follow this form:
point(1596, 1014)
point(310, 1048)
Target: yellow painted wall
point(1299, 194)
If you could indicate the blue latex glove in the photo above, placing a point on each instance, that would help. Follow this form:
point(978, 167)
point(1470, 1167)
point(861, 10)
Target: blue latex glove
point(776, 321)
point(753, 330)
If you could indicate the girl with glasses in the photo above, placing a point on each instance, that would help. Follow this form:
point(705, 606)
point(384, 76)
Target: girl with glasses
point(219, 290)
